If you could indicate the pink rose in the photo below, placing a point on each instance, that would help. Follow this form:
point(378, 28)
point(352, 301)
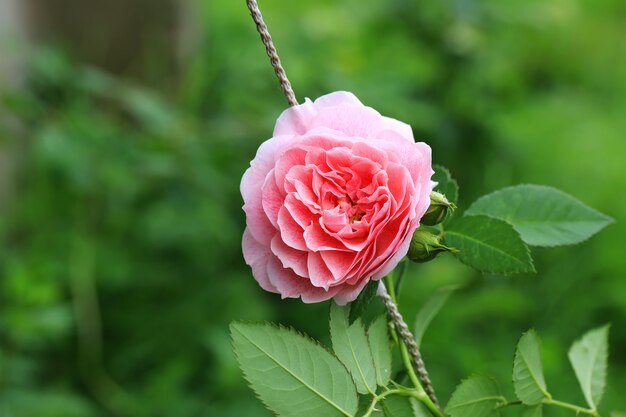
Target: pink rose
point(332, 199)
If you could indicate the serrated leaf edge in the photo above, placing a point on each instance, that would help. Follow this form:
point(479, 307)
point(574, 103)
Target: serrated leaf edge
point(357, 322)
point(609, 219)
point(299, 333)
point(544, 390)
point(512, 271)
point(379, 380)
point(500, 397)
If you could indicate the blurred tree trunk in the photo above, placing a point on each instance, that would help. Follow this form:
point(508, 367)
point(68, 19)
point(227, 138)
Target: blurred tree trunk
point(137, 38)
point(141, 39)
point(13, 47)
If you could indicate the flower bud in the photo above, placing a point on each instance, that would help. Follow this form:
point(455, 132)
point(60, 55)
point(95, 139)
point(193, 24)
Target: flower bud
point(439, 209)
point(425, 246)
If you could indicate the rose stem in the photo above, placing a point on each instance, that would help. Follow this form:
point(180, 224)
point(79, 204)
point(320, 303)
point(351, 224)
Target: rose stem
point(408, 341)
point(271, 52)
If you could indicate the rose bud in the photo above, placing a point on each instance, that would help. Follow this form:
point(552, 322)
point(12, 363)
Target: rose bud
point(425, 246)
point(438, 210)
point(332, 199)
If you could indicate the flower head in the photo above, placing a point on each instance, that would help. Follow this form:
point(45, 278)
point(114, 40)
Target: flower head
point(332, 199)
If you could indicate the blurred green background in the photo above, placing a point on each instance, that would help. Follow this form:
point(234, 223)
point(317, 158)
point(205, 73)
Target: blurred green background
point(126, 126)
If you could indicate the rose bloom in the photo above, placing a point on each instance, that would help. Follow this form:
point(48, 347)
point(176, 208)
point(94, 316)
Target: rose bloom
point(332, 199)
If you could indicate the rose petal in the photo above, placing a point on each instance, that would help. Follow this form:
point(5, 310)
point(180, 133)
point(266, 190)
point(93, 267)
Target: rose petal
point(319, 273)
point(272, 199)
point(295, 120)
point(337, 98)
point(256, 255)
point(349, 293)
point(290, 285)
point(290, 231)
point(338, 263)
point(290, 257)
point(256, 219)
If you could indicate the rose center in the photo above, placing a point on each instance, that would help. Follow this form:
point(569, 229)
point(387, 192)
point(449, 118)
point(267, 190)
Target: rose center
point(353, 211)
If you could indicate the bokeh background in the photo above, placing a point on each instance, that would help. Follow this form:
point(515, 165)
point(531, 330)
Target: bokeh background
point(125, 127)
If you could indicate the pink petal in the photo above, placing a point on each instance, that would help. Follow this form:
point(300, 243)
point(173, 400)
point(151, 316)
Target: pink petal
point(401, 252)
point(299, 211)
point(290, 231)
point(257, 222)
point(339, 263)
point(319, 273)
point(272, 199)
point(290, 257)
point(290, 285)
point(251, 184)
point(369, 151)
point(349, 293)
point(317, 239)
point(356, 121)
point(295, 120)
point(293, 157)
point(399, 127)
point(256, 255)
point(337, 98)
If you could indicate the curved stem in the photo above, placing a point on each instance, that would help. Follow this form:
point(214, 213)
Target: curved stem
point(371, 408)
point(398, 391)
point(556, 403)
point(377, 398)
point(572, 407)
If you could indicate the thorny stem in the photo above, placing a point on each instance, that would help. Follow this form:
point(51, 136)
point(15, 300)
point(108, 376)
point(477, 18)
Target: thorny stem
point(403, 331)
point(421, 394)
point(261, 27)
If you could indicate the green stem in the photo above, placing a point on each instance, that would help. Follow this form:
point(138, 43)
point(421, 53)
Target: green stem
point(572, 407)
point(420, 394)
point(371, 408)
point(377, 398)
point(556, 403)
point(508, 403)
point(399, 391)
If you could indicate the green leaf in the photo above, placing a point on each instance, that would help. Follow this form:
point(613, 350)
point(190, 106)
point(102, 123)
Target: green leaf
point(352, 348)
point(288, 370)
point(429, 310)
point(477, 396)
point(358, 306)
point(534, 411)
point(381, 351)
point(446, 185)
point(397, 406)
point(543, 216)
point(528, 380)
point(589, 357)
point(618, 414)
point(419, 409)
point(489, 245)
